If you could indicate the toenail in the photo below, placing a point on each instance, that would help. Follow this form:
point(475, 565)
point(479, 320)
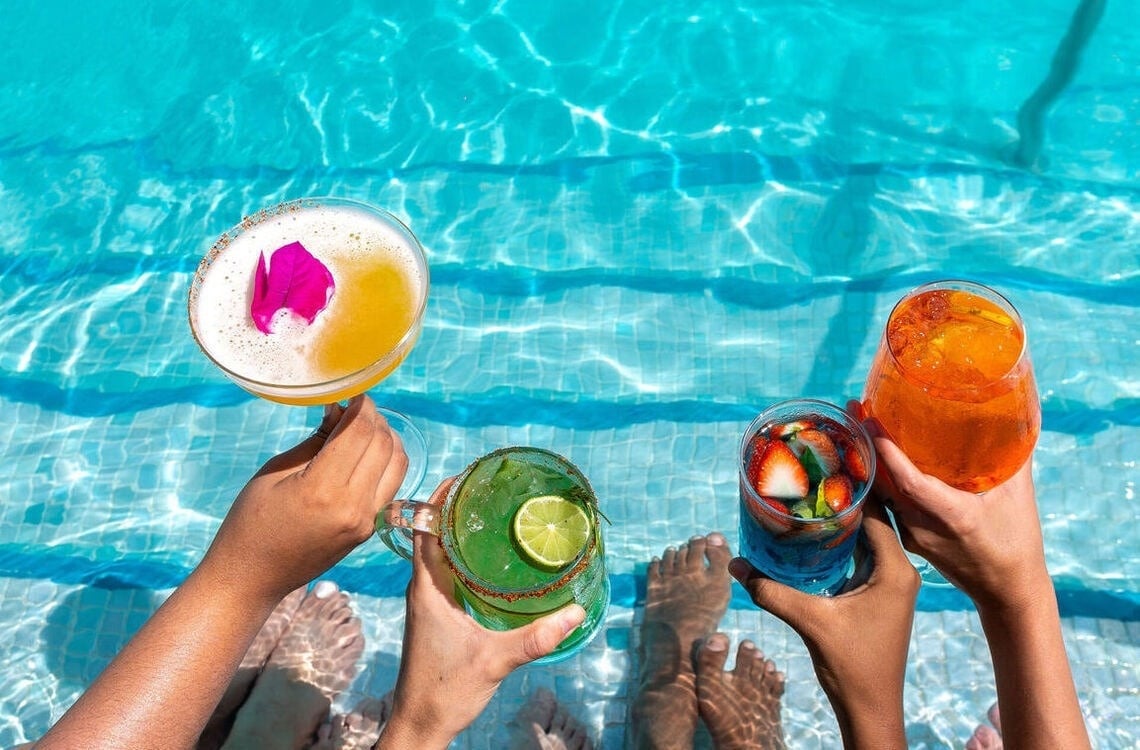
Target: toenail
point(324, 589)
point(716, 643)
point(716, 539)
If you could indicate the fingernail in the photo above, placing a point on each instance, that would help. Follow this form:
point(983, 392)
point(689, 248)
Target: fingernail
point(738, 568)
point(324, 589)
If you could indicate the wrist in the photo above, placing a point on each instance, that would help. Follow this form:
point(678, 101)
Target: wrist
point(883, 731)
point(1017, 596)
point(399, 733)
point(871, 717)
point(236, 583)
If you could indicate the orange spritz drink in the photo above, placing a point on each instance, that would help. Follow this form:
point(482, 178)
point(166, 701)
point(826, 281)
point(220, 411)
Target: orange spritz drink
point(311, 301)
point(953, 386)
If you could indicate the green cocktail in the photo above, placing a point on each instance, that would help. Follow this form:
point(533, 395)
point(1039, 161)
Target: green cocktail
point(522, 533)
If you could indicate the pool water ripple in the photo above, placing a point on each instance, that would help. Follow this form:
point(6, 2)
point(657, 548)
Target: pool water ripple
point(645, 222)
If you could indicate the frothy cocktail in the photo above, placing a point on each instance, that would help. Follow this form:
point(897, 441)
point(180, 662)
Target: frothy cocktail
point(312, 301)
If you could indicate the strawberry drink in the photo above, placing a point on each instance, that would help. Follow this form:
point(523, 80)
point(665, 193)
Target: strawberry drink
point(805, 469)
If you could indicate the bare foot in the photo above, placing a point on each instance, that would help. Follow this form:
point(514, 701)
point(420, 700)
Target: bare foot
point(314, 660)
point(255, 657)
point(687, 593)
point(357, 730)
point(987, 737)
point(542, 724)
point(741, 708)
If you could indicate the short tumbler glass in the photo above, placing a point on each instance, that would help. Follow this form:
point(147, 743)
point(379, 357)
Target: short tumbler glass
point(812, 554)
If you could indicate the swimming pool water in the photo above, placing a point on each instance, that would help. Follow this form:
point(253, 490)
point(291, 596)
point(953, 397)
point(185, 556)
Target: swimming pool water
point(645, 222)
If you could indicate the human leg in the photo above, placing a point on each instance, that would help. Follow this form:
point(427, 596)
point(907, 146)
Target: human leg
point(687, 593)
point(312, 663)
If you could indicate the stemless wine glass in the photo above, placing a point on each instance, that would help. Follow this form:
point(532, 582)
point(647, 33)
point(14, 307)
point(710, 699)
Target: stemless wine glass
point(314, 301)
point(953, 386)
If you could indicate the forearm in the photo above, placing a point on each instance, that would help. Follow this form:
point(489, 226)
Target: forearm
point(868, 707)
point(1036, 695)
point(162, 687)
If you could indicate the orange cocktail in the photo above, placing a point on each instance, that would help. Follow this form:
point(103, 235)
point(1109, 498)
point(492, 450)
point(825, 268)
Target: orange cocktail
point(312, 301)
point(953, 385)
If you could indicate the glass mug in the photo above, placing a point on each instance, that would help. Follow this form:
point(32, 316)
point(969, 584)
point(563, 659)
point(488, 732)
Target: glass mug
point(804, 531)
point(521, 532)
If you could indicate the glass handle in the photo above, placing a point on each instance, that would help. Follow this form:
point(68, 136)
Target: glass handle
point(399, 518)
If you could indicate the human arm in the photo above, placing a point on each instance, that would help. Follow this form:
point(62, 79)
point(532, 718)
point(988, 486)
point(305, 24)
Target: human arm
point(991, 547)
point(858, 640)
point(451, 665)
point(300, 514)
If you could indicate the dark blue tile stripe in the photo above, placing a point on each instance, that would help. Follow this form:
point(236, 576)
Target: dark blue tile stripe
point(504, 406)
point(521, 281)
point(649, 170)
point(391, 579)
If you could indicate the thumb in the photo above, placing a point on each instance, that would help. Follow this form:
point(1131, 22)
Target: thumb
point(793, 607)
point(537, 639)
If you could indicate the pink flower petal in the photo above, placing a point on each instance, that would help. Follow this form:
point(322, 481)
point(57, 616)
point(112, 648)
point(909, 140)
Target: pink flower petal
point(295, 281)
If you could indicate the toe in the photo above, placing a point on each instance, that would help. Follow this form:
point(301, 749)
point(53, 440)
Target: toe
point(694, 553)
point(749, 662)
point(717, 552)
point(711, 656)
point(774, 679)
point(994, 715)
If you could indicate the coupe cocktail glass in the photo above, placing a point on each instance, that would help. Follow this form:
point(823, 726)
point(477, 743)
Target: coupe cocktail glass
point(522, 534)
point(370, 310)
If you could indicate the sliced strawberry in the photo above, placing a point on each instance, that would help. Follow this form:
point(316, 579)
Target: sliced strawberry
point(817, 453)
point(779, 473)
point(854, 464)
point(789, 428)
point(755, 451)
point(777, 505)
point(770, 513)
point(835, 493)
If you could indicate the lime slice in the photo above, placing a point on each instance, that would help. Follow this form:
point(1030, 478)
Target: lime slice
point(550, 531)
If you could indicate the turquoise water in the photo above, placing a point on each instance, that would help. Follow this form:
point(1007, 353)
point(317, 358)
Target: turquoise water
point(646, 221)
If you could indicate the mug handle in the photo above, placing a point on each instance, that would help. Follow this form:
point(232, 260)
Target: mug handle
point(399, 518)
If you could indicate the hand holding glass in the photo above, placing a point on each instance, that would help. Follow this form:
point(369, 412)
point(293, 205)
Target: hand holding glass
point(521, 532)
point(952, 384)
point(314, 301)
point(805, 469)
